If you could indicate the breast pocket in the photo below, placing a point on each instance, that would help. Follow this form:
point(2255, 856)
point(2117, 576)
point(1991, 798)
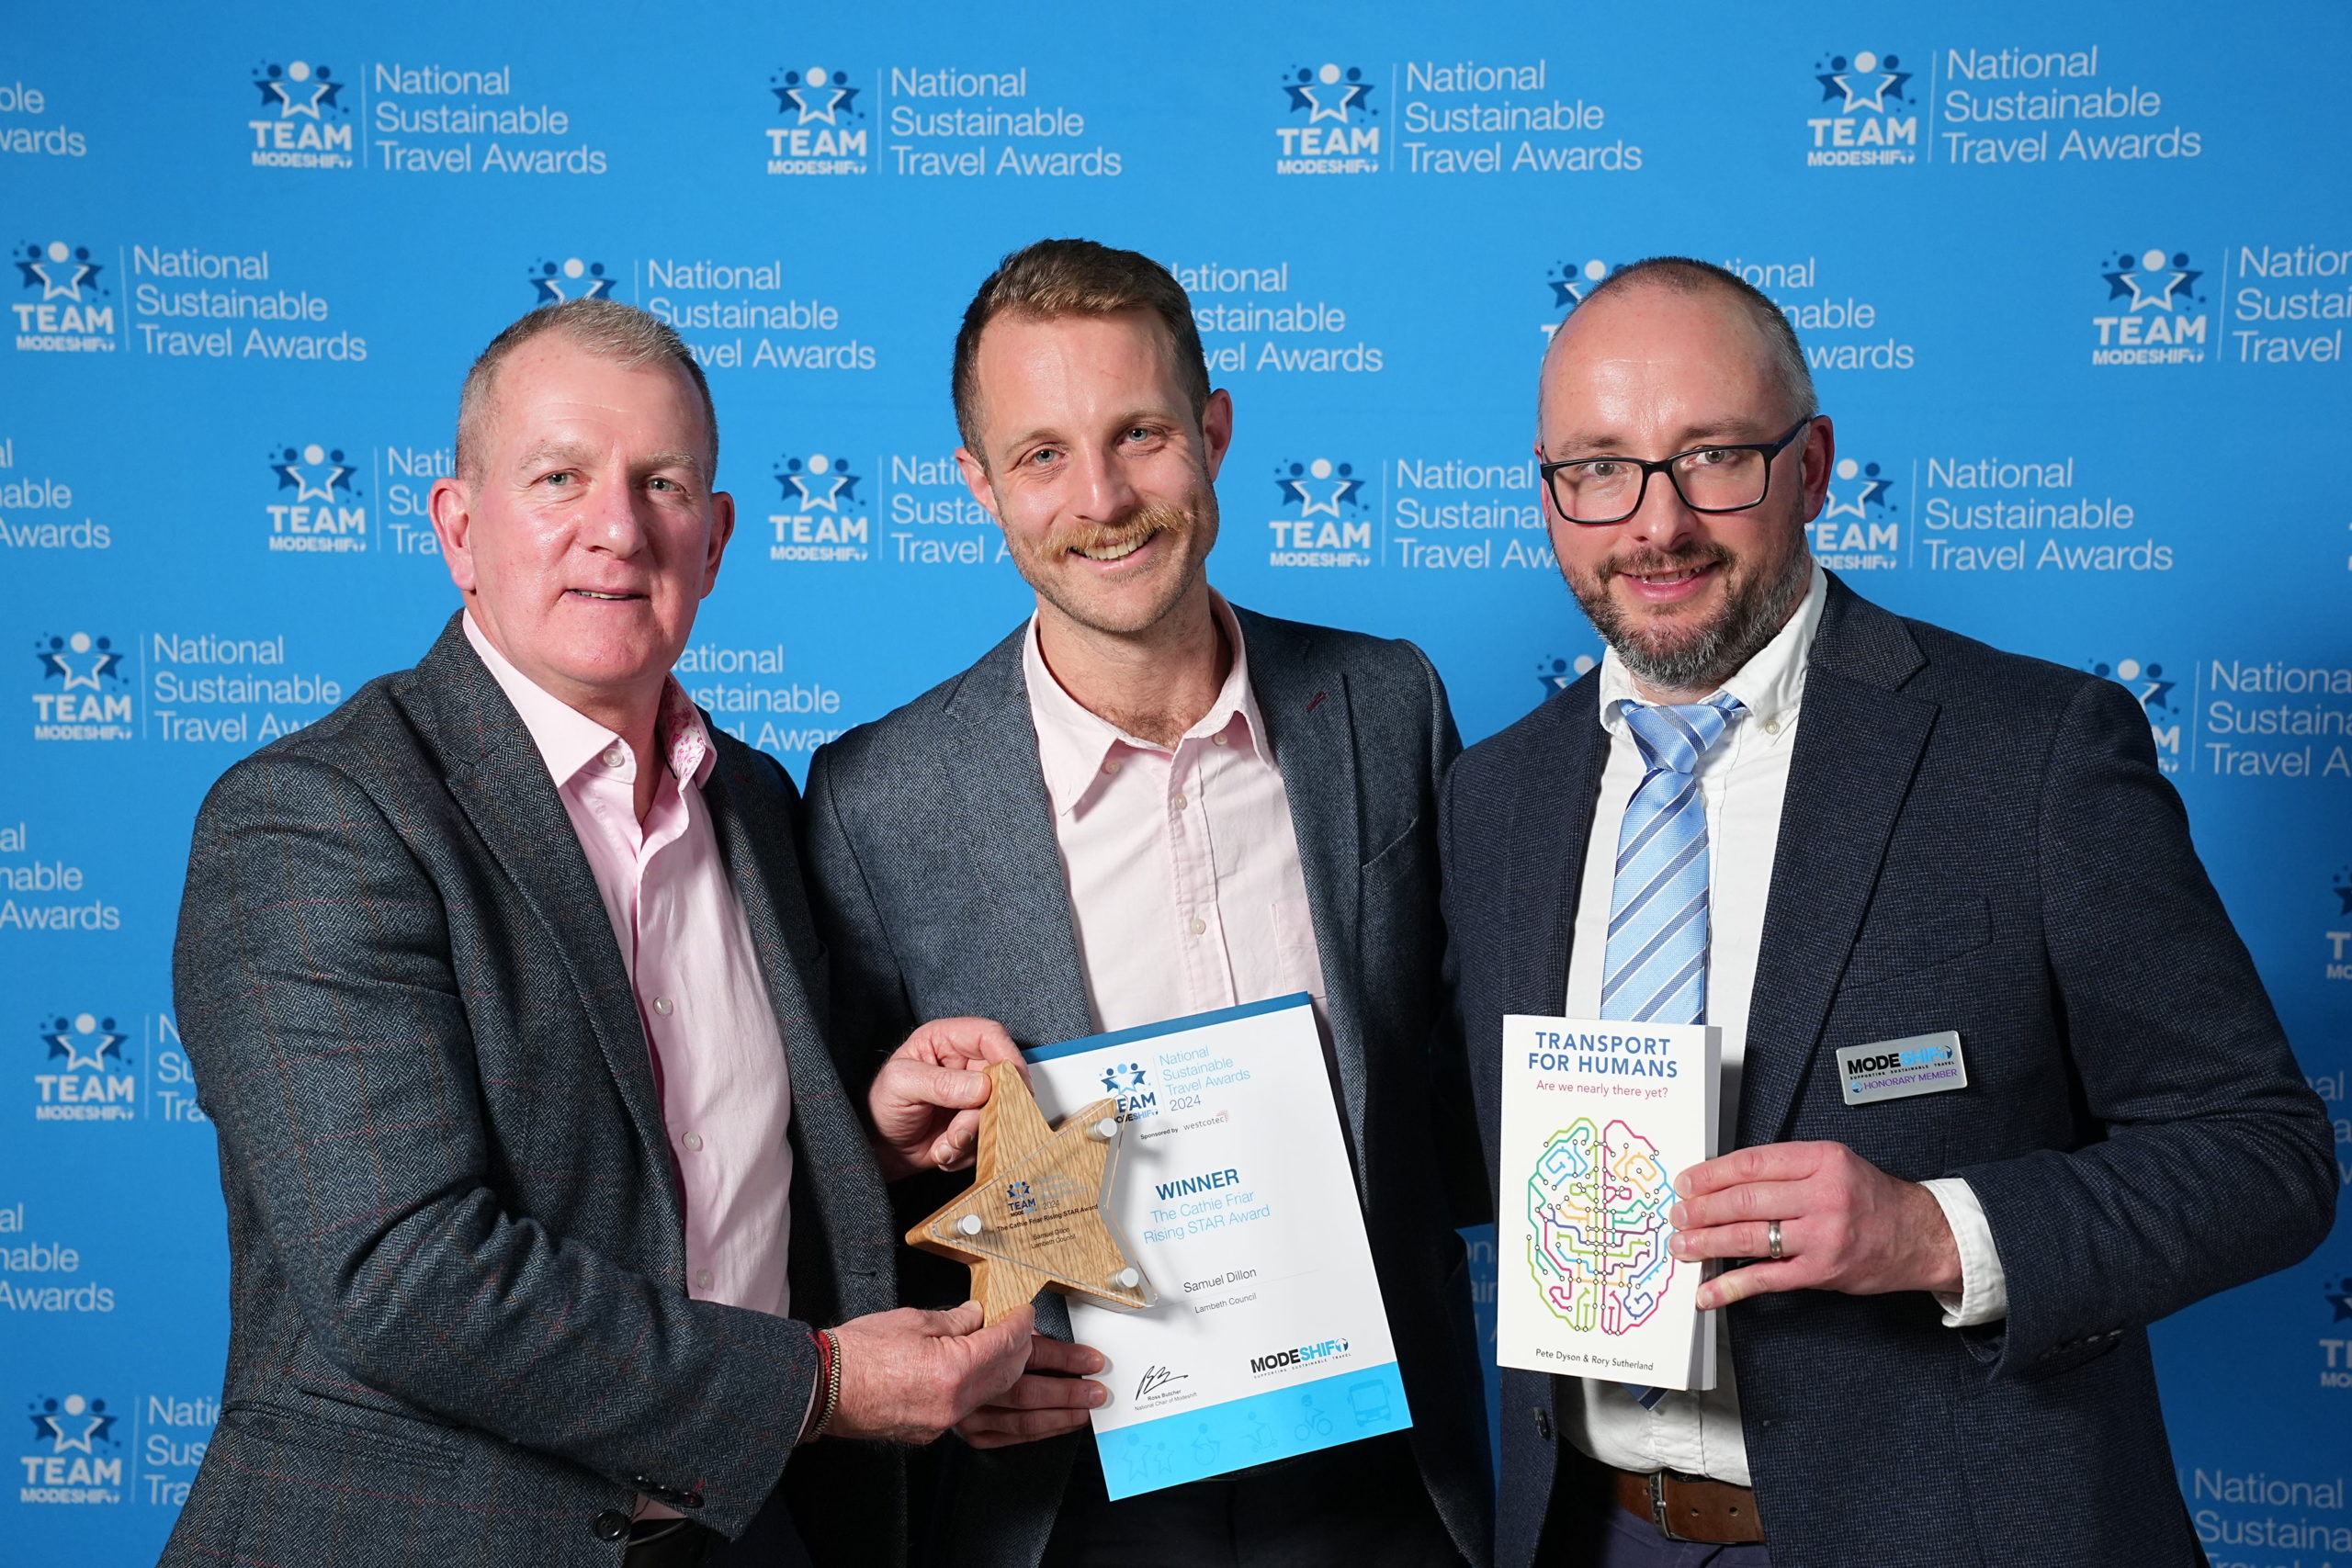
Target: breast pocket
point(1915, 933)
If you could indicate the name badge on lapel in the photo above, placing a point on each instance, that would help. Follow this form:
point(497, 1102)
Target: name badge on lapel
point(1896, 1069)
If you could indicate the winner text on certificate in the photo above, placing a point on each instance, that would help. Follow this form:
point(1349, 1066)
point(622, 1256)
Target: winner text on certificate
point(1268, 1337)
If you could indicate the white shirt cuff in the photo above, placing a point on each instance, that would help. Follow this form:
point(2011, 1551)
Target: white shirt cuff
point(1984, 1289)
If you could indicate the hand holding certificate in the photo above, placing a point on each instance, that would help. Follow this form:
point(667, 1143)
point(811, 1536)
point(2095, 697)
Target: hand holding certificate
point(1269, 1338)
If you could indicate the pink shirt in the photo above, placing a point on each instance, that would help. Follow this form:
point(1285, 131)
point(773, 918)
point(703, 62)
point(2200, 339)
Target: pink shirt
point(1182, 866)
point(726, 1096)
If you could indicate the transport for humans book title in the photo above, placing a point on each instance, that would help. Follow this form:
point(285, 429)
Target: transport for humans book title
point(1598, 1118)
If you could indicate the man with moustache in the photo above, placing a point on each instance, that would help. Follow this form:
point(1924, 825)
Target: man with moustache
point(554, 1236)
point(1835, 828)
point(1144, 803)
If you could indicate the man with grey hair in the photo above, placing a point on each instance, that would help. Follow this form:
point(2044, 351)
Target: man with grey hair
point(1776, 808)
point(556, 1237)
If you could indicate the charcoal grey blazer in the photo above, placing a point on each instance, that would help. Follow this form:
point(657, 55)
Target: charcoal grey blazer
point(938, 884)
point(459, 1323)
point(1981, 842)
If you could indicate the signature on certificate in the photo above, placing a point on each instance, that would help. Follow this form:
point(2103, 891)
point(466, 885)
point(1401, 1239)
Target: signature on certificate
point(1154, 1379)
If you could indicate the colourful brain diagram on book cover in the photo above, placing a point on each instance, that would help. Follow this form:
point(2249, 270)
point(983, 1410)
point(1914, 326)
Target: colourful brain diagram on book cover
point(1597, 1202)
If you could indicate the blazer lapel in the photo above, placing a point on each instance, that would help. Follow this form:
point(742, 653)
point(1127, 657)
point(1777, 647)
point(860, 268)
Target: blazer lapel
point(996, 777)
point(1310, 729)
point(1858, 747)
point(1550, 830)
point(499, 779)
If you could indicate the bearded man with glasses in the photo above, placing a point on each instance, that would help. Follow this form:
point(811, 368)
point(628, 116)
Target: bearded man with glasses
point(1935, 1343)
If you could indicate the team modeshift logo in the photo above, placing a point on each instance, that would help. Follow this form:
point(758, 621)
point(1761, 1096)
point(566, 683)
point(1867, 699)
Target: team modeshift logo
point(1339, 135)
point(822, 517)
point(84, 1075)
point(84, 693)
point(1864, 116)
point(1131, 1083)
point(824, 129)
point(1559, 674)
point(71, 309)
point(76, 1455)
point(1328, 526)
point(1858, 530)
point(2160, 319)
point(324, 515)
point(552, 283)
point(2335, 1354)
point(1570, 282)
point(303, 123)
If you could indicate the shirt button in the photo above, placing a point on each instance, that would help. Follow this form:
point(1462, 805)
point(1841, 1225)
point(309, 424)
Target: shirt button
point(614, 757)
point(1196, 925)
point(692, 1142)
point(702, 1279)
point(1112, 766)
point(1217, 741)
point(1178, 800)
point(663, 1005)
point(1771, 727)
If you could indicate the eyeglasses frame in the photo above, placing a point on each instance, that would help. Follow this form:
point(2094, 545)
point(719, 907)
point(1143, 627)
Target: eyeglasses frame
point(1771, 449)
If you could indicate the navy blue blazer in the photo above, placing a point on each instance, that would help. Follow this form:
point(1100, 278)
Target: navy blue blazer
point(1976, 841)
point(937, 881)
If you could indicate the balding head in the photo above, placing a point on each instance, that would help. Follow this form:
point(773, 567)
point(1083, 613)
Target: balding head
point(1703, 287)
point(1679, 360)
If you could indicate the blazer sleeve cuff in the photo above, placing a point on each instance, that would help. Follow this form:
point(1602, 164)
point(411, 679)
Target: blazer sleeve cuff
point(1984, 1289)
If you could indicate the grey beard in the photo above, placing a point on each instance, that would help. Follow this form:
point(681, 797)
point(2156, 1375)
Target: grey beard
point(1703, 663)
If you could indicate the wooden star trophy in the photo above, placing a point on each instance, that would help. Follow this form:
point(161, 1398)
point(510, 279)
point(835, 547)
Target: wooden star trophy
point(1034, 1215)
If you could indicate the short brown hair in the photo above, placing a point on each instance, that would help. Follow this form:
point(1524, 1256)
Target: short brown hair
point(1075, 278)
point(606, 329)
point(1686, 275)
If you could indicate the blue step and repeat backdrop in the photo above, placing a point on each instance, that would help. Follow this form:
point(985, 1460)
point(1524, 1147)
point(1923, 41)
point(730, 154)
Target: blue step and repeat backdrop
point(2074, 281)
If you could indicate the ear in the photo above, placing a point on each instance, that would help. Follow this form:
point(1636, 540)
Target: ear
point(450, 503)
point(1216, 430)
point(976, 480)
point(723, 529)
point(1820, 458)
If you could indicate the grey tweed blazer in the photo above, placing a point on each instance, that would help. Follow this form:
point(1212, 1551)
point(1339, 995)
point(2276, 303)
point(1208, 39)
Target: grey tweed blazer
point(460, 1329)
point(938, 882)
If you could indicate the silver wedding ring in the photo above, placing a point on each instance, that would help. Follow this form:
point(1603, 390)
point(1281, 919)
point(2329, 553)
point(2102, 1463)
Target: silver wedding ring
point(1772, 1241)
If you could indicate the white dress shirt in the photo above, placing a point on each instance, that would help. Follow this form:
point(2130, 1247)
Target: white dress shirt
point(1182, 867)
point(1742, 779)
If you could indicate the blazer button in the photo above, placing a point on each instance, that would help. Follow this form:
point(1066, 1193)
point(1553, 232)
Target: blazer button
point(1544, 1424)
point(610, 1524)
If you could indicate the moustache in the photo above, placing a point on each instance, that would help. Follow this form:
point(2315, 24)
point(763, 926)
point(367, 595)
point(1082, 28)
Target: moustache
point(1124, 533)
point(1645, 560)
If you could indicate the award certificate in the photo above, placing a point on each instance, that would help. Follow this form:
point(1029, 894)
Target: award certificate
point(1268, 1337)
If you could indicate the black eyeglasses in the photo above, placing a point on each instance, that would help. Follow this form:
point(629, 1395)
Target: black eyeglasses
point(1595, 492)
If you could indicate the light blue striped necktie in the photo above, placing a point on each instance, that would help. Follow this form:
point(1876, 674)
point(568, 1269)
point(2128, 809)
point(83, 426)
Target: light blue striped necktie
point(1656, 963)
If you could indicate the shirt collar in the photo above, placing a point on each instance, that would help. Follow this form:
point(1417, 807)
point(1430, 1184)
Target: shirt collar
point(1073, 742)
point(1768, 686)
point(568, 740)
